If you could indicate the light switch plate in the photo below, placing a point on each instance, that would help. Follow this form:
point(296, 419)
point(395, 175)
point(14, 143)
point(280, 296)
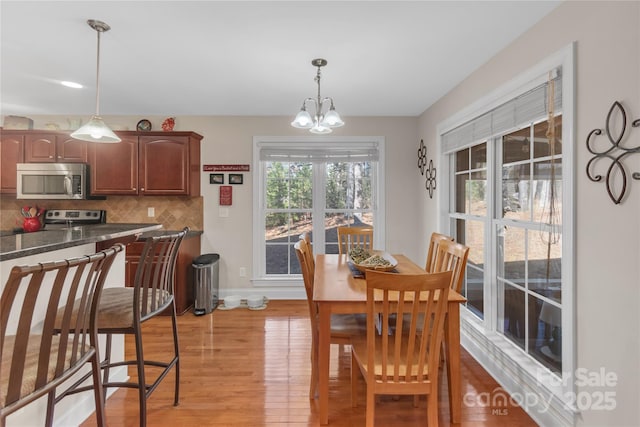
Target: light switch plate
point(151, 212)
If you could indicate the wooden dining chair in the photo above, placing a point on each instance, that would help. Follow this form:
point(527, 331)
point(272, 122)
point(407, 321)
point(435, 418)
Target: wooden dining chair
point(405, 362)
point(35, 360)
point(350, 237)
point(123, 310)
point(434, 242)
point(452, 256)
point(343, 326)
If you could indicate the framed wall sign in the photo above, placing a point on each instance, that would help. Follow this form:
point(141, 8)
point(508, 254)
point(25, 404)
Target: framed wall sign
point(226, 195)
point(235, 178)
point(216, 178)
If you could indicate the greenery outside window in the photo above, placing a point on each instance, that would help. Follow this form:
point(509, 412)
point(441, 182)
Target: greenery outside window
point(311, 186)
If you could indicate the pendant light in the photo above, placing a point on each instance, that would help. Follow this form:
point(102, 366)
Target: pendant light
point(321, 123)
point(96, 129)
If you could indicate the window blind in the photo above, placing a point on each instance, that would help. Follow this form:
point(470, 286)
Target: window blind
point(329, 154)
point(517, 112)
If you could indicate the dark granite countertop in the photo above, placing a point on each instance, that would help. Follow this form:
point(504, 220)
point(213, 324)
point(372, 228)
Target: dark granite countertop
point(20, 245)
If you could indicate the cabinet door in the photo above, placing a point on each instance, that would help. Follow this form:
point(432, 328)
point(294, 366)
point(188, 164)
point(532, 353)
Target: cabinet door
point(11, 153)
point(69, 150)
point(114, 167)
point(40, 148)
point(164, 165)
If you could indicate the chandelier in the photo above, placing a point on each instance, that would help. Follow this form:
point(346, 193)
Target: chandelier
point(321, 123)
point(96, 130)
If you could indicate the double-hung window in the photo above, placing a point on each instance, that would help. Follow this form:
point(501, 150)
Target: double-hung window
point(509, 171)
point(312, 185)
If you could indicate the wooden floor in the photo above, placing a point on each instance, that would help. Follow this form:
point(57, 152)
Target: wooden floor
point(251, 368)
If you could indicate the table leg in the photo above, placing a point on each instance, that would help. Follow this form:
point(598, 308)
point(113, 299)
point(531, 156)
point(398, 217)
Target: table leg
point(324, 347)
point(452, 341)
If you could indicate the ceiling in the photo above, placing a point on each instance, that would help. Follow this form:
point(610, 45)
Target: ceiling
point(385, 58)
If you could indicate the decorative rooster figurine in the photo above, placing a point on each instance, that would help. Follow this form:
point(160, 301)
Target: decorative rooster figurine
point(168, 124)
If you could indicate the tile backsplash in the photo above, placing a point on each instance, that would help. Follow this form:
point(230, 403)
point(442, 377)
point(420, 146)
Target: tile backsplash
point(173, 213)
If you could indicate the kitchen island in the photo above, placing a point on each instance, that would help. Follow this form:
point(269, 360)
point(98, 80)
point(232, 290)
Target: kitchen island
point(58, 244)
point(25, 244)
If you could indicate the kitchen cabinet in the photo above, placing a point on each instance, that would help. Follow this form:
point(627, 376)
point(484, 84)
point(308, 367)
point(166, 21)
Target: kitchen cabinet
point(183, 280)
point(54, 148)
point(147, 164)
point(11, 153)
point(114, 167)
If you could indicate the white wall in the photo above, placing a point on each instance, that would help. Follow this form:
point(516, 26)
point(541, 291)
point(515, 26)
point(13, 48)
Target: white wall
point(607, 236)
point(229, 140)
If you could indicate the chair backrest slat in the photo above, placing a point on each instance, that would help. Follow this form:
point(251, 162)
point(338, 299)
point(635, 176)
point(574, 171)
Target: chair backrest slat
point(434, 243)
point(154, 280)
point(307, 266)
point(405, 354)
point(452, 256)
point(350, 237)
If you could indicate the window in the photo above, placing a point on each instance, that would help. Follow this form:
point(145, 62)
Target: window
point(313, 186)
point(470, 216)
point(529, 241)
point(509, 170)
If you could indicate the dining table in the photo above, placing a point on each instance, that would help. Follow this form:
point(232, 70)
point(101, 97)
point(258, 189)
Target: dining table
point(338, 288)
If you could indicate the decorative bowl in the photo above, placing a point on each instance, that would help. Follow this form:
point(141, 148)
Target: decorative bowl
point(371, 262)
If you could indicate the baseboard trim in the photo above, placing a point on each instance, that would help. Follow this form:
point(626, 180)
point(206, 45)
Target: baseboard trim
point(505, 365)
point(274, 293)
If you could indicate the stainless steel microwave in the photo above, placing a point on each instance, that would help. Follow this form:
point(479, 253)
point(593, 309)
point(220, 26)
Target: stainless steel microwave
point(59, 181)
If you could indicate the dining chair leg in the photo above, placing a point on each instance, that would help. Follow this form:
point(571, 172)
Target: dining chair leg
point(176, 348)
point(98, 391)
point(313, 383)
point(51, 401)
point(371, 406)
point(432, 407)
point(354, 381)
point(142, 384)
point(105, 367)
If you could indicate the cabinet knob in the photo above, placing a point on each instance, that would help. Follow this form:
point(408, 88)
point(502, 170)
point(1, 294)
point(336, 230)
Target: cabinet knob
point(51, 157)
point(142, 189)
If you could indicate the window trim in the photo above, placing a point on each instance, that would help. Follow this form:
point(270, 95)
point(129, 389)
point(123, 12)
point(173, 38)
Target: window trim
point(487, 338)
point(259, 278)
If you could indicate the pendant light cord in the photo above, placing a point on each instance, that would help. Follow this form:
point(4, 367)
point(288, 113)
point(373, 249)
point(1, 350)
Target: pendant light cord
point(98, 76)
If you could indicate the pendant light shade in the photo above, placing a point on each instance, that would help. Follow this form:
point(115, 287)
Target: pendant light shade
point(320, 123)
point(96, 130)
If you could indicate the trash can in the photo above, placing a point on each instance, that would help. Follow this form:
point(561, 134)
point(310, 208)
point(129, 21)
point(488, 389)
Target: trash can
point(206, 272)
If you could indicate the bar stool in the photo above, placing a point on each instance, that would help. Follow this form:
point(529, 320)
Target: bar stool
point(34, 364)
point(123, 310)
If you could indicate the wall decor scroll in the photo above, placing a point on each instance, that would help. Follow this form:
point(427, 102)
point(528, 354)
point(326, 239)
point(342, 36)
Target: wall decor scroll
point(615, 127)
point(422, 157)
point(430, 183)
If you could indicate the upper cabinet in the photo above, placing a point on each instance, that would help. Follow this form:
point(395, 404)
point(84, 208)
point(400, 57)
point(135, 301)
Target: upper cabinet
point(114, 167)
point(11, 153)
point(142, 164)
point(54, 148)
point(147, 164)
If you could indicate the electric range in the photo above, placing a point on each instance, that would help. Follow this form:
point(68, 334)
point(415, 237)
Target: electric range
point(56, 219)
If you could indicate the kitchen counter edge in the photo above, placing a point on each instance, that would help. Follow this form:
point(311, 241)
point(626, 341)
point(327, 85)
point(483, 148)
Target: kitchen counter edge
point(26, 244)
